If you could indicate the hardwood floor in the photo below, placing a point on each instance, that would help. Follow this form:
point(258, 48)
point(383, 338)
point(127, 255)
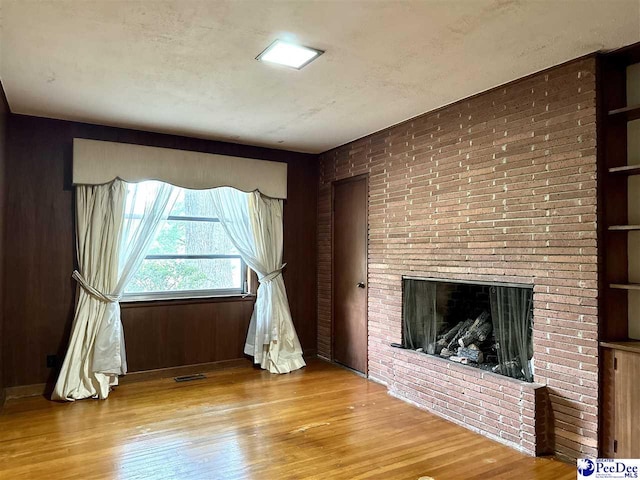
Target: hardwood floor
point(322, 422)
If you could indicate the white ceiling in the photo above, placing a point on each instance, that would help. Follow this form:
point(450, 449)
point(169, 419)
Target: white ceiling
point(187, 67)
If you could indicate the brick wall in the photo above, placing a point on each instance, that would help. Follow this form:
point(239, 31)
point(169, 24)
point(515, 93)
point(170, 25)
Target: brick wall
point(498, 187)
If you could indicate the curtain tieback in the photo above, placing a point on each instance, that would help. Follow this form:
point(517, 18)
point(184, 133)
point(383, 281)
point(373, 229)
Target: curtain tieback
point(270, 276)
point(93, 291)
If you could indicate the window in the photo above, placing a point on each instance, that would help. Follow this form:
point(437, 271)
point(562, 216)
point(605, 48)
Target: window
point(191, 256)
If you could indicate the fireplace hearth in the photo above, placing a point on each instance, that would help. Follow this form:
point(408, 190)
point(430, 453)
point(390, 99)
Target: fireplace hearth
point(483, 325)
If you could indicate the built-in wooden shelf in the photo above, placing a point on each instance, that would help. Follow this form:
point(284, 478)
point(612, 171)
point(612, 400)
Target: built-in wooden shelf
point(626, 286)
point(624, 228)
point(630, 113)
point(626, 170)
point(628, 346)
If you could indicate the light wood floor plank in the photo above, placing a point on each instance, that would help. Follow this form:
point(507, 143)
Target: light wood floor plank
point(322, 422)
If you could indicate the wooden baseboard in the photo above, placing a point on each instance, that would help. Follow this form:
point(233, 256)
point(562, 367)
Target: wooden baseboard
point(25, 391)
point(182, 370)
point(41, 388)
point(133, 377)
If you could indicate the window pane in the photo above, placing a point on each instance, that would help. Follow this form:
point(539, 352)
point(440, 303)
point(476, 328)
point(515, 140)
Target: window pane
point(138, 194)
point(180, 237)
point(202, 236)
point(193, 203)
point(178, 274)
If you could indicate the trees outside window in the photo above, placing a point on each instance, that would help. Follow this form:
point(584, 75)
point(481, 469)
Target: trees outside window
point(191, 255)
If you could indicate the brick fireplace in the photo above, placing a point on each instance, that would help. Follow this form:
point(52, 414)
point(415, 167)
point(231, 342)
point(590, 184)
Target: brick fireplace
point(500, 187)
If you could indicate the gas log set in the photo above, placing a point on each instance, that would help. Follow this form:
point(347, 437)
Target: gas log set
point(462, 342)
point(470, 342)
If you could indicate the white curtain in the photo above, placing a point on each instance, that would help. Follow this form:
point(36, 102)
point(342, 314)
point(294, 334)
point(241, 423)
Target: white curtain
point(253, 222)
point(110, 247)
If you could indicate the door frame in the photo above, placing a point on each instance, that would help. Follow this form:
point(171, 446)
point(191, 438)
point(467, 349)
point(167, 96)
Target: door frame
point(365, 177)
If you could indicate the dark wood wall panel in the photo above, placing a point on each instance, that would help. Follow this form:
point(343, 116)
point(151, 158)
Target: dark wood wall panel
point(40, 257)
point(183, 334)
point(4, 114)
point(300, 250)
point(607, 403)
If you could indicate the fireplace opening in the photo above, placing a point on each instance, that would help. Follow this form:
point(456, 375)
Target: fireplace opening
point(483, 325)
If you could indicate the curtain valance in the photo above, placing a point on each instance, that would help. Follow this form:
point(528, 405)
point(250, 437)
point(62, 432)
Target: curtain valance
point(97, 162)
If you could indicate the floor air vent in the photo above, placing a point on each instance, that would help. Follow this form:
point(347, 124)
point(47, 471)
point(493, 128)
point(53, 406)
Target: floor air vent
point(189, 378)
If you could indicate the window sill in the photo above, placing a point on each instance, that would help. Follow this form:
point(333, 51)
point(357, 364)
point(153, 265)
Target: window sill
point(161, 302)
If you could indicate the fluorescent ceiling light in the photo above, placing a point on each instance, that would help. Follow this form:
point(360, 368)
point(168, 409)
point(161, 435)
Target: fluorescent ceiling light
point(289, 54)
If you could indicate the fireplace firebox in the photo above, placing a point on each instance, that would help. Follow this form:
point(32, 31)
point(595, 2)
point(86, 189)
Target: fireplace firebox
point(483, 325)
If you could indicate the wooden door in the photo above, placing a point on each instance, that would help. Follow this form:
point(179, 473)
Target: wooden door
point(350, 273)
point(627, 409)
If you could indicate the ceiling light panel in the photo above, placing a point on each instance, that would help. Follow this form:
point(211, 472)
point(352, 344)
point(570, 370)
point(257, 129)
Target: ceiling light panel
point(289, 54)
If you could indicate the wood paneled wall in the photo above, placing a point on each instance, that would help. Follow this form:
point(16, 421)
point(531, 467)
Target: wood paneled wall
point(40, 257)
point(4, 114)
point(162, 334)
